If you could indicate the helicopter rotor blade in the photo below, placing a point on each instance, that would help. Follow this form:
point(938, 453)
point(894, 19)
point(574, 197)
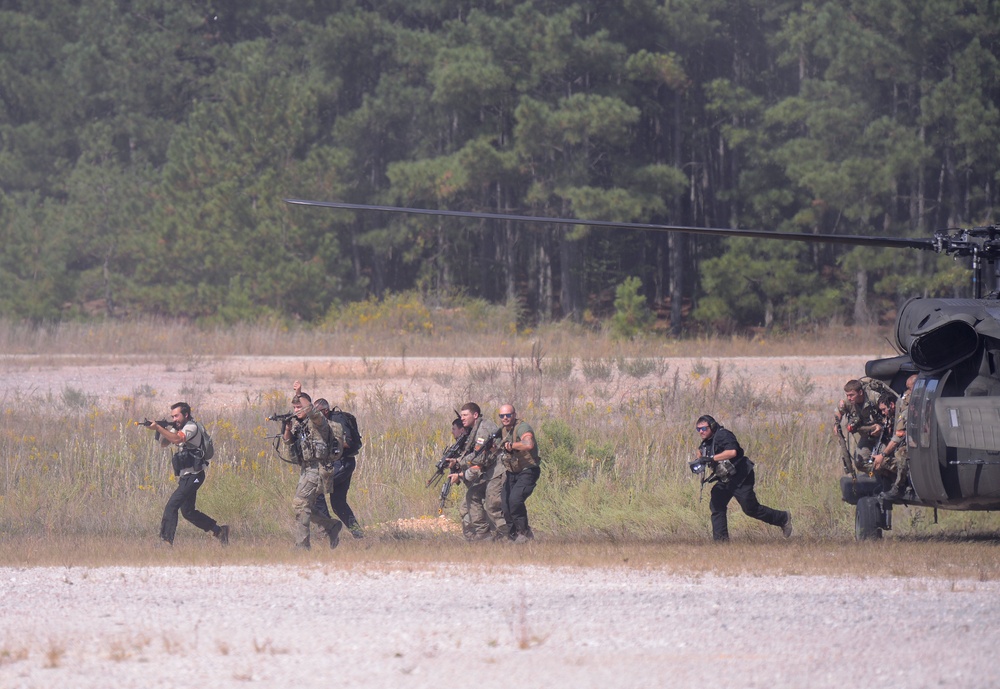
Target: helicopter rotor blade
point(856, 240)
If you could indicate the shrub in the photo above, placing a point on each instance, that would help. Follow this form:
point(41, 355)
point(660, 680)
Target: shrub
point(632, 315)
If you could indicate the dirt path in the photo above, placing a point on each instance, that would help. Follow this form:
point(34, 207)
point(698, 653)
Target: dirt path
point(217, 383)
point(529, 626)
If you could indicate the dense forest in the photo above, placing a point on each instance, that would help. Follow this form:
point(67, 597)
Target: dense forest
point(146, 146)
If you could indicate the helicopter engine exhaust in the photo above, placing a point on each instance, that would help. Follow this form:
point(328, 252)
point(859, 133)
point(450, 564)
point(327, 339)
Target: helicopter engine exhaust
point(937, 333)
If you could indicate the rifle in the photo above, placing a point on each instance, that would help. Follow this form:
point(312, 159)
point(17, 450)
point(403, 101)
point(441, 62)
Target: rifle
point(296, 446)
point(162, 423)
point(845, 454)
point(454, 451)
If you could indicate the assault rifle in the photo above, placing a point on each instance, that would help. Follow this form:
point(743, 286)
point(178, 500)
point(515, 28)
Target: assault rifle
point(162, 423)
point(454, 451)
point(296, 447)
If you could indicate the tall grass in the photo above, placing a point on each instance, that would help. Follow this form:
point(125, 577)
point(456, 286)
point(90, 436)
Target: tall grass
point(615, 435)
point(387, 332)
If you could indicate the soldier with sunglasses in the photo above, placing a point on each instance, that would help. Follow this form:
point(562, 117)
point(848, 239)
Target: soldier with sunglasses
point(519, 454)
point(734, 478)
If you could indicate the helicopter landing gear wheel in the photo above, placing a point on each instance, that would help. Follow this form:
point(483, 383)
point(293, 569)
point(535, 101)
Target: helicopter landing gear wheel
point(868, 519)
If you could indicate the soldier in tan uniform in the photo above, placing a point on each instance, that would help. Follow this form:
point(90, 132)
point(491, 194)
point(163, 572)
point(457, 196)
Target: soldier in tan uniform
point(314, 445)
point(476, 468)
point(892, 459)
point(859, 418)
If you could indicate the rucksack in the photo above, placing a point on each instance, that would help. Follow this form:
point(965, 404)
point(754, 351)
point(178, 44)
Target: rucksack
point(352, 436)
point(207, 444)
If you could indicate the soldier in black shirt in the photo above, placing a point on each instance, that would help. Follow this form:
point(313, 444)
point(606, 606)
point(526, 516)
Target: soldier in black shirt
point(734, 478)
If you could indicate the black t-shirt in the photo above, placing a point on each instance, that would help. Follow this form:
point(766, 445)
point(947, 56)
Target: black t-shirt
point(722, 440)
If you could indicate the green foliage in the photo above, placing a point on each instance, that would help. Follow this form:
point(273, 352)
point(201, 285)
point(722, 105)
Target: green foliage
point(402, 313)
point(411, 313)
point(145, 153)
point(632, 316)
point(557, 445)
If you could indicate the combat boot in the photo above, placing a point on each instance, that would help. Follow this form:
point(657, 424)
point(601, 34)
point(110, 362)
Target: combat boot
point(334, 534)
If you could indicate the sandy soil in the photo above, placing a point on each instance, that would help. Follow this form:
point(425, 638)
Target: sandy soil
point(217, 383)
point(531, 626)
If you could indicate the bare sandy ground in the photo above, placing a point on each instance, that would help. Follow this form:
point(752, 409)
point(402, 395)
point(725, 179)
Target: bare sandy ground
point(216, 383)
point(529, 626)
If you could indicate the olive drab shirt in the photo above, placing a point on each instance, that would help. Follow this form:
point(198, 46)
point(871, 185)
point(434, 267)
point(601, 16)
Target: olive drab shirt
point(519, 460)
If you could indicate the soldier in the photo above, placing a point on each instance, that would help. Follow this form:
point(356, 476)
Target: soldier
point(475, 469)
point(734, 478)
point(892, 459)
point(340, 482)
point(189, 467)
point(315, 445)
point(904, 399)
point(859, 416)
point(520, 456)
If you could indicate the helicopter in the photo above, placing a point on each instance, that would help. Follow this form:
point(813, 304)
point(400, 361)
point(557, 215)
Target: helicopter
point(952, 345)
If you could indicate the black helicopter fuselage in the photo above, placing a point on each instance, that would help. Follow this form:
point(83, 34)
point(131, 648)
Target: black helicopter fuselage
point(953, 424)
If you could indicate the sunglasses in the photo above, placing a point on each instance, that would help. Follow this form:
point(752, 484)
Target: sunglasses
point(701, 429)
point(506, 416)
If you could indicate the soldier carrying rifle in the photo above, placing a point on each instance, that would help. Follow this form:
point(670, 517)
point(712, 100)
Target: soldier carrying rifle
point(315, 446)
point(189, 464)
point(858, 424)
point(447, 462)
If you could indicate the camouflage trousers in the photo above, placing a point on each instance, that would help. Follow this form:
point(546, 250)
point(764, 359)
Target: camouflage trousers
point(897, 468)
point(482, 509)
point(863, 448)
point(310, 485)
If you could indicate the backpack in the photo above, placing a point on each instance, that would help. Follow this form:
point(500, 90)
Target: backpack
point(207, 444)
point(352, 436)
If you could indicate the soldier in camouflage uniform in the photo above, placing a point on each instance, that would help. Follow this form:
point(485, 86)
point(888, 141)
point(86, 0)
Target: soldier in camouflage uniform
point(315, 446)
point(476, 468)
point(892, 460)
point(858, 416)
point(519, 453)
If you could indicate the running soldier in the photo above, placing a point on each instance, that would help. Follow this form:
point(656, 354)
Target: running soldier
point(189, 468)
point(315, 446)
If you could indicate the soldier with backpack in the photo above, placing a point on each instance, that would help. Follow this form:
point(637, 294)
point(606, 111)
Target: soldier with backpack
point(346, 425)
point(189, 464)
point(316, 445)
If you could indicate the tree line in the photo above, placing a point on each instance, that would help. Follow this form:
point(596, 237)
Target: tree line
point(145, 147)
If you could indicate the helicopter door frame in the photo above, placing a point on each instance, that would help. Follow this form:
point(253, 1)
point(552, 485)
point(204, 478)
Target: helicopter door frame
point(924, 445)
